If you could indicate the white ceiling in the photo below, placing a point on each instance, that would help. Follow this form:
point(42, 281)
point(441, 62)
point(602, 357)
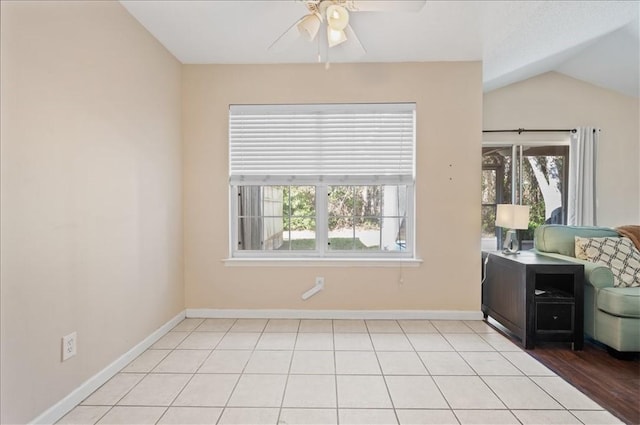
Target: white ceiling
point(595, 41)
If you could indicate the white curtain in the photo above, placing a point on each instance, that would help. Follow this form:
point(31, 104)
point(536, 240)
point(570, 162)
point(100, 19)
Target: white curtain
point(250, 220)
point(582, 177)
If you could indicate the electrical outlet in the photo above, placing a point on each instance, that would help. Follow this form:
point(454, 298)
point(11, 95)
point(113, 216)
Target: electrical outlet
point(320, 281)
point(69, 346)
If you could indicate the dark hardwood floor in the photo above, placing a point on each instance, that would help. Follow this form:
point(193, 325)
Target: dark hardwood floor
point(611, 382)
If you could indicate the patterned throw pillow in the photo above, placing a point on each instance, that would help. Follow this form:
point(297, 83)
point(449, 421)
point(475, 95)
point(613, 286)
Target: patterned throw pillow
point(618, 254)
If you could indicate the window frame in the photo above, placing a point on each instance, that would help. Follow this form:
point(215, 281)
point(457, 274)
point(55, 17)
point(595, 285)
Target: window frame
point(322, 229)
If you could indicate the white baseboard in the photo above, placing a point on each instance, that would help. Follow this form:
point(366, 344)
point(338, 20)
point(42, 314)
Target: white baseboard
point(210, 313)
point(61, 408)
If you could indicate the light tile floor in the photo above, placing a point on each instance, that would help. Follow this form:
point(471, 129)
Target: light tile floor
point(251, 371)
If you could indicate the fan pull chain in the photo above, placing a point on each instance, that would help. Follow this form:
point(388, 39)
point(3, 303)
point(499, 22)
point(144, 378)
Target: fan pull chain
point(327, 64)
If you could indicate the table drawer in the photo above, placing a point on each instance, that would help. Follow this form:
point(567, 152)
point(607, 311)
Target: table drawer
point(554, 316)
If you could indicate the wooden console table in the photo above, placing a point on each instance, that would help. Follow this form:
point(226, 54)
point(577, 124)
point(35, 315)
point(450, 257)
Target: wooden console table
point(536, 297)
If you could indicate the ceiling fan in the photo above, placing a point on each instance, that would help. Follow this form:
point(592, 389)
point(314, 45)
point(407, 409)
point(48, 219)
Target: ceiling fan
point(336, 14)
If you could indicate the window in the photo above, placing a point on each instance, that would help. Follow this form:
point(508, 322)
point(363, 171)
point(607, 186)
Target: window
point(531, 173)
point(322, 180)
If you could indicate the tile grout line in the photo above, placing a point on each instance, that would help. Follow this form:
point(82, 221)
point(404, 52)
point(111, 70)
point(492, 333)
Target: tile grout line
point(286, 382)
point(111, 406)
point(226, 404)
point(146, 374)
point(105, 414)
point(203, 362)
point(195, 372)
point(189, 380)
point(384, 379)
point(427, 369)
point(484, 382)
point(479, 376)
point(149, 372)
point(555, 399)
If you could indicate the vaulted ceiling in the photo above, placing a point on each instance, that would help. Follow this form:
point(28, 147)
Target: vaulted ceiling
point(595, 41)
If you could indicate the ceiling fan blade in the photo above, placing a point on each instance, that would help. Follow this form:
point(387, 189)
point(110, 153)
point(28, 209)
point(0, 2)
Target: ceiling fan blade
point(287, 39)
point(387, 5)
point(353, 43)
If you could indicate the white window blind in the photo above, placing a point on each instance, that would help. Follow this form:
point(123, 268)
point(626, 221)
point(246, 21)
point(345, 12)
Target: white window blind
point(323, 142)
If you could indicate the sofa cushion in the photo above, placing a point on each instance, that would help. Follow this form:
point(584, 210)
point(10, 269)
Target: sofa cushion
point(619, 254)
point(624, 302)
point(560, 239)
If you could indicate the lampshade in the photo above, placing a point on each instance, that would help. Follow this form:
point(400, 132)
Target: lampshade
point(309, 26)
point(335, 37)
point(512, 216)
point(337, 17)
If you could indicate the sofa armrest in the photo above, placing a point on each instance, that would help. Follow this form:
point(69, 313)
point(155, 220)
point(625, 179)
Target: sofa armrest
point(596, 275)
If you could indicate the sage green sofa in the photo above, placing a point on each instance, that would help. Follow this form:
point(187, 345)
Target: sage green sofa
point(611, 314)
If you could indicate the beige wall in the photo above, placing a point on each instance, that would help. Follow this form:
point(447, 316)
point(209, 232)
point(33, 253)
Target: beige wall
point(91, 195)
point(449, 114)
point(554, 100)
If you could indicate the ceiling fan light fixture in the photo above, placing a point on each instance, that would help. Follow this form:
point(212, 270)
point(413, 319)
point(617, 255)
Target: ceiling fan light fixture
point(337, 17)
point(309, 26)
point(335, 37)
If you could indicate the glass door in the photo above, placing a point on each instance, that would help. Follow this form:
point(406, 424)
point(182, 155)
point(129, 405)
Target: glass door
point(533, 174)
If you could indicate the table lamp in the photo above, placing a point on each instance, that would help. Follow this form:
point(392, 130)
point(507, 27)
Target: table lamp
point(512, 217)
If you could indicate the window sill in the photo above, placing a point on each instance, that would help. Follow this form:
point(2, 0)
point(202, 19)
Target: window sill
point(322, 262)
